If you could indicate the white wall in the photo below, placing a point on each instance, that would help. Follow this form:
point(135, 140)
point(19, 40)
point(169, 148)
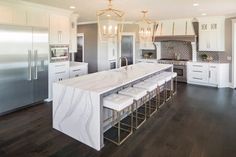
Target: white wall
point(234, 52)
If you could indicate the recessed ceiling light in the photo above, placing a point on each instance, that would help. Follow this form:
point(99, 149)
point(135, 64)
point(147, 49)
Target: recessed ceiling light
point(72, 7)
point(195, 4)
point(204, 14)
point(108, 15)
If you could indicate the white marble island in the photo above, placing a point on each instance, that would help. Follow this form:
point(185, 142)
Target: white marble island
point(77, 102)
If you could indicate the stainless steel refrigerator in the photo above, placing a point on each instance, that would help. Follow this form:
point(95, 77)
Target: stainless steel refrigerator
point(23, 67)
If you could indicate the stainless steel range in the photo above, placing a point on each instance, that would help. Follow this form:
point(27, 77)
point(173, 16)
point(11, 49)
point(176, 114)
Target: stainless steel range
point(180, 67)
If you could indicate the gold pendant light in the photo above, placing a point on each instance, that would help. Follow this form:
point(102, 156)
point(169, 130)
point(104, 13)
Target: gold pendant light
point(110, 22)
point(146, 28)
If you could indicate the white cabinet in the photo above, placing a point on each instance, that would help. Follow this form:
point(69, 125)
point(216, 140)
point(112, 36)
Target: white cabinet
point(112, 50)
point(5, 15)
point(37, 17)
point(59, 29)
point(57, 72)
point(211, 34)
point(209, 74)
point(78, 69)
point(146, 46)
point(73, 33)
point(213, 70)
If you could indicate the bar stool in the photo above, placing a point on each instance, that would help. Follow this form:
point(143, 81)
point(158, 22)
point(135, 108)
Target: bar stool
point(151, 90)
point(174, 77)
point(118, 103)
point(160, 80)
point(138, 95)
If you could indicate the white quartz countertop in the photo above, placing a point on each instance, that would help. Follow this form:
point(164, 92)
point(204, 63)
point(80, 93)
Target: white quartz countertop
point(105, 81)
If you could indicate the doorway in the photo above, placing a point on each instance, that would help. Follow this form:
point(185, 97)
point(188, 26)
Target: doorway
point(79, 56)
point(127, 48)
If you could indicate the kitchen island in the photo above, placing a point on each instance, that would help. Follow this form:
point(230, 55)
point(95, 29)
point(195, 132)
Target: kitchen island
point(77, 103)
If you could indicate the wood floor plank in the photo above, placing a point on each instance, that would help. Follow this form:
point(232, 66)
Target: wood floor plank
point(201, 122)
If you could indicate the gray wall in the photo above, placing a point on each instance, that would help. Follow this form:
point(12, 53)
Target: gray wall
point(90, 45)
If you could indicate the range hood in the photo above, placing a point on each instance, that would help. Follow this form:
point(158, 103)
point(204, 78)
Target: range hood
point(192, 37)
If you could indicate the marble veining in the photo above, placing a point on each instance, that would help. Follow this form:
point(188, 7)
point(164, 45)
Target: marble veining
point(77, 102)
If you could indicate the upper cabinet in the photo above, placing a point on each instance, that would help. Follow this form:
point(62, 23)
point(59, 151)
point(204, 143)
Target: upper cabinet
point(37, 17)
point(176, 27)
point(212, 34)
point(5, 15)
point(73, 33)
point(59, 29)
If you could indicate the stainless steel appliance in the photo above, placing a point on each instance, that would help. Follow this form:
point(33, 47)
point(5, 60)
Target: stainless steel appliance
point(59, 53)
point(180, 67)
point(23, 67)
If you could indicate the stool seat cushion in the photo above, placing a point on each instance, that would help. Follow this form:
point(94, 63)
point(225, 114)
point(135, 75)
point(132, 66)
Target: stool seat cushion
point(174, 75)
point(136, 93)
point(159, 80)
point(117, 102)
point(166, 75)
point(149, 86)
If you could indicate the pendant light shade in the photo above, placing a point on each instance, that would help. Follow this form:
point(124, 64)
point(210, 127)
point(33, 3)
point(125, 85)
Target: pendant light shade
point(110, 22)
point(146, 28)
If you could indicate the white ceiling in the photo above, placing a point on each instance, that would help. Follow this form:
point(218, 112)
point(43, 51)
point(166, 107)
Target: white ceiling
point(158, 9)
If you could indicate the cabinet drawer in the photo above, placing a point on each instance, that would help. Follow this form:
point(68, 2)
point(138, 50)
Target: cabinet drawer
point(198, 77)
point(60, 68)
point(198, 67)
point(77, 72)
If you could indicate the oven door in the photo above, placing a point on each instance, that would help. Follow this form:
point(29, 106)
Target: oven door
point(181, 73)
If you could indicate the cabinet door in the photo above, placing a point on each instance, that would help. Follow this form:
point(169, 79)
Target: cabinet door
point(37, 18)
point(190, 29)
point(204, 41)
point(5, 15)
point(65, 30)
point(54, 29)
point(213, 79)
point(19, 16)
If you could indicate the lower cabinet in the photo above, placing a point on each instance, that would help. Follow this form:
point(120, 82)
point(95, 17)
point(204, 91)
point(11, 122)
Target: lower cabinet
point(209, 74)
point(78, 69)
point(64, 70)
point(57, 72)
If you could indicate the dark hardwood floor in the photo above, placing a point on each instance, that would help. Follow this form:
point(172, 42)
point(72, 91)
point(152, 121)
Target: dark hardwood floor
point(200, 123)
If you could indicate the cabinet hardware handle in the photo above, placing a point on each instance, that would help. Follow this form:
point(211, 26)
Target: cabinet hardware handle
point(197, 71)
point(209, 74)
point(76, 70)
point(29, 66)
point(62, 65)
point(36, 64)
point(197, 65)
point(61, 72)
point(196, 78)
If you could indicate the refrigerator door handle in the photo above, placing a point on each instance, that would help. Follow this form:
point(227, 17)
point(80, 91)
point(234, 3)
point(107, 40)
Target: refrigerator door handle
point(29, 66)
point(36, 64)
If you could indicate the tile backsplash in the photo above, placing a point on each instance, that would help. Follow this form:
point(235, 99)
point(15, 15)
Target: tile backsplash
point(171, 48)
point(219, 57)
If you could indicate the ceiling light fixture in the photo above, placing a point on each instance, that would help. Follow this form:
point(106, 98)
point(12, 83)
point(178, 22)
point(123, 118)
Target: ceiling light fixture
point(110, 22)
point(195, 4)
point(204, 14)
point(146, 27)
point(72, 7)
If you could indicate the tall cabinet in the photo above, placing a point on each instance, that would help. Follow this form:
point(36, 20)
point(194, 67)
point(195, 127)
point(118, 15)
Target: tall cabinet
point(212, 34)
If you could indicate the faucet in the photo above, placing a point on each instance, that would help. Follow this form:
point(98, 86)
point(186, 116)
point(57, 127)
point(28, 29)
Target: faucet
point(126, 62)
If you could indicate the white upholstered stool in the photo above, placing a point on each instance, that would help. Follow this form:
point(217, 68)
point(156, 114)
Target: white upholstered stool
point(118, 103)
point(151, 88)
point(174, 77)
point(138, 94)
point(160, 81)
